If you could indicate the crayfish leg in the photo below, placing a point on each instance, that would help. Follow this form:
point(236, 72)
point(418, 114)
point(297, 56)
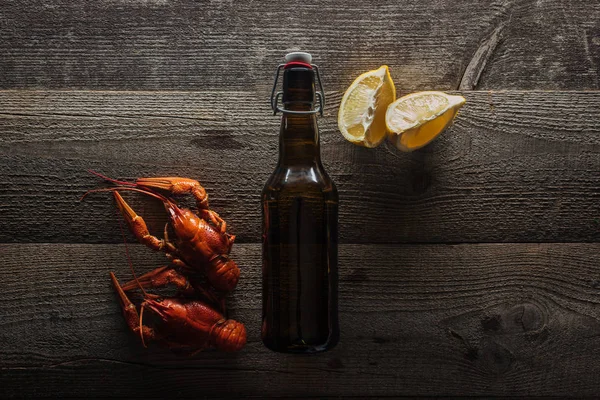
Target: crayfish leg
point(178, 262)
point(209, 215)
point(130, 313)
point(161, 277)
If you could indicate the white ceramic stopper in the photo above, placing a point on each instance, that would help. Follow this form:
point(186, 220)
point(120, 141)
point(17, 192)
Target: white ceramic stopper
point(298, 56)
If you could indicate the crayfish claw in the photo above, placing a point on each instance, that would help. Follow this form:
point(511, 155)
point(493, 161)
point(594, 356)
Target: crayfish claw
point(132, 318)
point(137, 224)
point(178, 186)
point(129, 311)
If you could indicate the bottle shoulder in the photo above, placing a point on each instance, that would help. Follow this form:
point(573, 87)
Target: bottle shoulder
point(300, 179)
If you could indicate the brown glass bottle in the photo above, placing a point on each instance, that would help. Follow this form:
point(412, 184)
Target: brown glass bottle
point(300, 230)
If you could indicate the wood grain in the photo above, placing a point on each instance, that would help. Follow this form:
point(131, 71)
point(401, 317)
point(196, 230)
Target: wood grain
point(515, 167)
point(184, 45)
point(489, 320)
point(154, 87)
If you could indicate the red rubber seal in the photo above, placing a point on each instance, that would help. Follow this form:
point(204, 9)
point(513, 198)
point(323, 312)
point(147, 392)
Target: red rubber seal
point(297, 64)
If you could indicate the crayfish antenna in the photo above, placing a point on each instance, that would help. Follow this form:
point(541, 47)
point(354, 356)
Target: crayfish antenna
point(147, 192)
point(142, 324)
point(106, 178)
point(95, 191)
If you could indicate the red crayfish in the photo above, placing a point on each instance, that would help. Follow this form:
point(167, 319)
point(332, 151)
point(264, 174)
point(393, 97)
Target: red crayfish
point(187, 324)
point(201, 248)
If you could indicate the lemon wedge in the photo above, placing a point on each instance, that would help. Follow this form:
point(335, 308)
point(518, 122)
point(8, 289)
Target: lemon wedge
point(361, 117)
point(418, 118)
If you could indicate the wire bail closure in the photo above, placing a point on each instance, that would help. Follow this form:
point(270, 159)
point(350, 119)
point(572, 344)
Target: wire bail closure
point(319, 94)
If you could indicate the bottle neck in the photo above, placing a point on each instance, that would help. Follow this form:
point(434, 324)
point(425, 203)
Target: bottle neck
point(299, 134)
point(299, 140)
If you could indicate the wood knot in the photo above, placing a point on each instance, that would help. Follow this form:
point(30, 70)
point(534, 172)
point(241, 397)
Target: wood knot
point(527, 317)
point(493, 323)
point(486, 334)
point(494, 357)
point(522, 318)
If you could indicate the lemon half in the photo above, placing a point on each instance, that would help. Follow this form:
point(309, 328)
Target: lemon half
point(418, 118)
point(361, 117)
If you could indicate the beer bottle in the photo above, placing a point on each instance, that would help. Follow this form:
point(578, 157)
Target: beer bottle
point(300, 223)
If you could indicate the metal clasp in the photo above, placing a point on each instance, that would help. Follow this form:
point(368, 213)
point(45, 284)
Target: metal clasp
point(275, 95)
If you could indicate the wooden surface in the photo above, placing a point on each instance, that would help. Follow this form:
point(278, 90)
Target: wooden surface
point(516, 166)
point(477, 319)
point(196, 45)
point(468, 268)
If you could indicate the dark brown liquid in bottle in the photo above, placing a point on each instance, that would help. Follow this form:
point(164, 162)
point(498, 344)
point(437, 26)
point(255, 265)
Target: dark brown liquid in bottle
point(300, 216)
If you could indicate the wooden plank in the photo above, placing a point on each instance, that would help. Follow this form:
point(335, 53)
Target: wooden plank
point(516, 166)
point(186, 45)
point(487, 319)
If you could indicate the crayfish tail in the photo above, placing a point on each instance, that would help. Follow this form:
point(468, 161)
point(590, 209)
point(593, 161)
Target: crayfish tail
point(223, 274)
point(229, 335)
